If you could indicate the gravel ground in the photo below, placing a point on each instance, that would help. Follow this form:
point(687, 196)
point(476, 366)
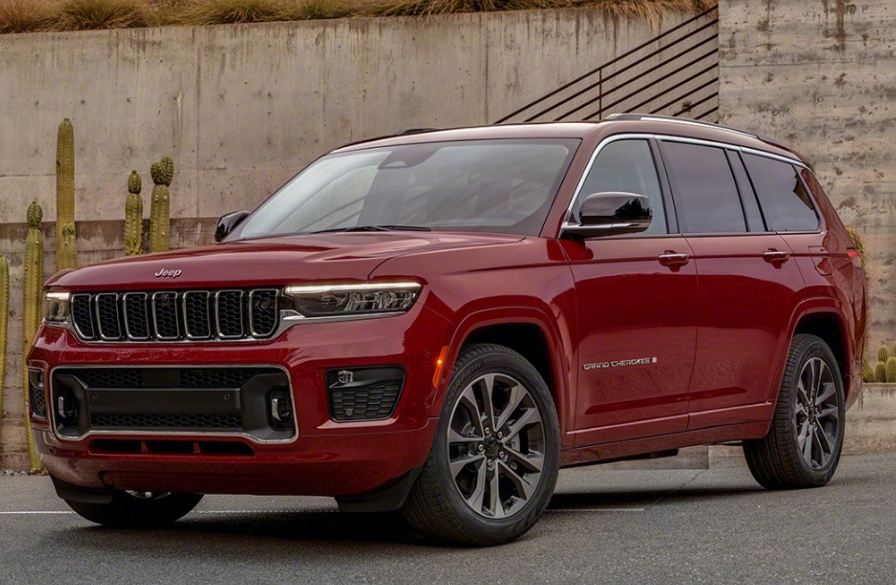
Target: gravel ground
point(604, 526)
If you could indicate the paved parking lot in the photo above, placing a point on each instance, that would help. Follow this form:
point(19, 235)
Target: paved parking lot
point(603, 526)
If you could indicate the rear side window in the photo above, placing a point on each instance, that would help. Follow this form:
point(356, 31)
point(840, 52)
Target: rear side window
point(785, 202)
point(708, 200)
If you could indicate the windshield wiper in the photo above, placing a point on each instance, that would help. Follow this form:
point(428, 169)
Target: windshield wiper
point(377, 228)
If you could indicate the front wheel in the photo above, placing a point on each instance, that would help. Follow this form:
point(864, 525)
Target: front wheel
point(138, 509)
point(802, 448)
point(496, 455)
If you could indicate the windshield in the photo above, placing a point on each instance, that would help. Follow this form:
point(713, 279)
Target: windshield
point(504, 186)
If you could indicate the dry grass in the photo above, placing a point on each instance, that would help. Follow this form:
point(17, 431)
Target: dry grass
point(63, 15)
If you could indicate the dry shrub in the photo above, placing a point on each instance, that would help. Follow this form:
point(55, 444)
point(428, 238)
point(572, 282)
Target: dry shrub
point(652, 10)
point(17, 16)
point(99, 14)
point(204, 12)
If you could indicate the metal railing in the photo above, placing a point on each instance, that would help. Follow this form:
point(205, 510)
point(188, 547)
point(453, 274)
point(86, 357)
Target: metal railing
point(674, 73)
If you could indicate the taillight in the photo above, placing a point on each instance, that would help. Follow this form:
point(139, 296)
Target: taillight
point(855, 257)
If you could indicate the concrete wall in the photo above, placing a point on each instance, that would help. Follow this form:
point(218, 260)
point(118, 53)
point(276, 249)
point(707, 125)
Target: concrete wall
point(820, 75)
point(242, 108)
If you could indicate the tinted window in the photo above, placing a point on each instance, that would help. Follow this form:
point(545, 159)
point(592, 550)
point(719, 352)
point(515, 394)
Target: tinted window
point(785, 202)
point(505, 186)
point(708, 200)
point(627, 166)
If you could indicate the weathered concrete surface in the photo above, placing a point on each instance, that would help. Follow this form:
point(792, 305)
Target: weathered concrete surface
point(241, 108)
point(820, 75)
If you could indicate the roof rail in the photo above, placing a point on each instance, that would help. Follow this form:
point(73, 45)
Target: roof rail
point(414, 131)
point(687, 121)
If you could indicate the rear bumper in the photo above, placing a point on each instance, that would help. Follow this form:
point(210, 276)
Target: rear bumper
point(325, 457)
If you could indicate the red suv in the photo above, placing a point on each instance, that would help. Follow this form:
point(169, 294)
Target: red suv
point(438, 321)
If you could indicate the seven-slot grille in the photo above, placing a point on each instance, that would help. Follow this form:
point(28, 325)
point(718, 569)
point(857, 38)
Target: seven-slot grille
point(192, 315)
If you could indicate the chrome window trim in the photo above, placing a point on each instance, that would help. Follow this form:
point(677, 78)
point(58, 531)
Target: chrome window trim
point(567, 221)
point(218, 315)
point(155, 319)
point(96, 312)
point(172, 434)
point(75, 327)
point(183, 301)
point(124, 312)
point(252, 331)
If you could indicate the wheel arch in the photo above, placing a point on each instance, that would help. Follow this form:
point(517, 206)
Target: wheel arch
point(525, 330)
point(829, 324)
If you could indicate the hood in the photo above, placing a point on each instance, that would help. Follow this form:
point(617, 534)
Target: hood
point(269, 261)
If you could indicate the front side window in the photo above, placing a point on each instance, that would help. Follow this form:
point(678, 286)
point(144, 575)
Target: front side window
point(785, 202)
point(707, 197)
point(503, 186)
point(627, 166)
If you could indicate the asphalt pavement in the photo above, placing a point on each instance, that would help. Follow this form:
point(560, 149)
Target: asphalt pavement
point(603, 526)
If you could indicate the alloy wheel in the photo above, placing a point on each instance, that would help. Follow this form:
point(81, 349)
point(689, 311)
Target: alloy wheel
point(817, 419)
point(496, 445)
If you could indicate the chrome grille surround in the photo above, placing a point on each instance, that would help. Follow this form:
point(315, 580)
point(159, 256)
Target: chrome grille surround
point(177, 316)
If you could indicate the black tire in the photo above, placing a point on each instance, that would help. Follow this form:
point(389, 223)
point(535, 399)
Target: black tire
point(777, 461)
point(130, 511)
point(436, 506)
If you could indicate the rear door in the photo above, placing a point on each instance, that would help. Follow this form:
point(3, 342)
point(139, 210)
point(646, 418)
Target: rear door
point(636, 308)
point(748, 284)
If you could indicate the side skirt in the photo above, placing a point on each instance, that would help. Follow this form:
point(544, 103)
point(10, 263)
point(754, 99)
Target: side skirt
point(634, 447)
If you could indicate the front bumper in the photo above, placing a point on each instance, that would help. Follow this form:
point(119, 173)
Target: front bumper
point(325, 458)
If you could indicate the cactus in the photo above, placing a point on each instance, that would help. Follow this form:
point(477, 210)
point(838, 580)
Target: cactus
point(4, 321)
point(893, 350)
point(880, 372)
point(867, 372)
point(160, 208)
point(65, 196)
point(882, 353)
point(66, 248)
point(34, 272)
point(891, 370)
point(133, 217)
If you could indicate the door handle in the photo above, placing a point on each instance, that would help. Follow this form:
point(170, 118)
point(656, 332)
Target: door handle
point(775, 257)
point(670, 258)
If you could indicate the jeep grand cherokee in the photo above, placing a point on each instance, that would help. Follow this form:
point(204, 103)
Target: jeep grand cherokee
point(438, 322)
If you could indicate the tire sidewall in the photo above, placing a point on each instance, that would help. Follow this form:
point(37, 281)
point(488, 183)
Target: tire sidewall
point(817, 348)
point(516, 366)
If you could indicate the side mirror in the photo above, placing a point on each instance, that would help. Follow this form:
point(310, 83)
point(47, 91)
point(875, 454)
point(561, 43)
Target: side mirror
point(228, 223)
point(611, 214)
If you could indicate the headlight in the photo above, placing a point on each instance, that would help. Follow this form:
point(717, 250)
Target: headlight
point(353, 299)
point(57, 308)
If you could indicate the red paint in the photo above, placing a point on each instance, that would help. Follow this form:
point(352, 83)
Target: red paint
point(718, 325)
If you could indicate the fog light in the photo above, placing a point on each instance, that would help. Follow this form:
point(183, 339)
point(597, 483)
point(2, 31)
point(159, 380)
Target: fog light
point(66, 409)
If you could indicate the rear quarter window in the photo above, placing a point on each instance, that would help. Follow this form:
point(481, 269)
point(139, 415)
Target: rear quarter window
point(785, 202)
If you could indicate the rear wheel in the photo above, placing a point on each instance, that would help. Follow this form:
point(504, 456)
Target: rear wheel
point(130, 509)
point(495, 457)
point(802, 448)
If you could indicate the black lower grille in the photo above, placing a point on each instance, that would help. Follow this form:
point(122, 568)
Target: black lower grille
point(124, 421)
point(173, 399)
point(38, 401)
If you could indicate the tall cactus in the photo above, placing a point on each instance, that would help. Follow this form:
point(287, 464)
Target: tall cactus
point(4, 322)
point(880, 372)
point(867, 372)
point(34, 274)
point(133, 217)
point(160, 209)
point(66, 249)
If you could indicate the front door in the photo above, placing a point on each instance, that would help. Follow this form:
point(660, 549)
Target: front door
point(636, 310)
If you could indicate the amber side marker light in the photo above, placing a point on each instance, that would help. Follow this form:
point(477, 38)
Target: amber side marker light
point(439, 363)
